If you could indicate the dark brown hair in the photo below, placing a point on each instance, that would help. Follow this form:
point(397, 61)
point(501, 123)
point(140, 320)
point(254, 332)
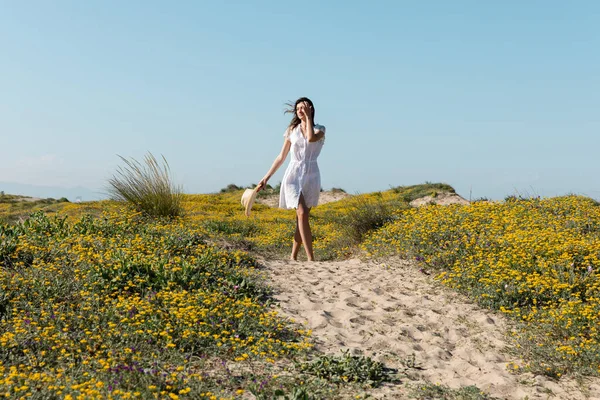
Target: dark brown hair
point(292, 109)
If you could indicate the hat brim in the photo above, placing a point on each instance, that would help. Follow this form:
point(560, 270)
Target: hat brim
point(248, 199)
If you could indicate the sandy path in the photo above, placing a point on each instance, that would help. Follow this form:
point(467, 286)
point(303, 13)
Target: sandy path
point(395, 311)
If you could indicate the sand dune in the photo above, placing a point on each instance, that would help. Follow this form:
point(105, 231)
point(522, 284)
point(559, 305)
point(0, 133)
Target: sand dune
point(442, 199)
point(326, 196)
point(395, 311)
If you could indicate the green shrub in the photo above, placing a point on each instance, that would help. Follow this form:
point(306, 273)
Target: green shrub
point(147, 188)
point(430, 391)
point(298, 393)
point(348, 368)
point(410, 193)
point(268, 190)
point(143, 300)
point(9, 237)
point(366, 215)
point(230, 188)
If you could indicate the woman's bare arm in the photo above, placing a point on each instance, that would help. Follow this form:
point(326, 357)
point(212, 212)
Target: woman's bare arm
point(312, 134)
point(317, 135)
point(276, 164)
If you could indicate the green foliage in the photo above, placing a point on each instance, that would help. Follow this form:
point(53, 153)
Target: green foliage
point(9, 237)
point(534, 260)
point(144, 300)
point(268, 190)
point(517, 196)
point(234, 227)
point(367, 214)
point(348, 368)
point(230, 188)
point(298, 393)
point(149, 189)
point(410, 193)
point(430, 391)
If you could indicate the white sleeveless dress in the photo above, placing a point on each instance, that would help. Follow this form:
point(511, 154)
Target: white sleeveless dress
point(302, 175)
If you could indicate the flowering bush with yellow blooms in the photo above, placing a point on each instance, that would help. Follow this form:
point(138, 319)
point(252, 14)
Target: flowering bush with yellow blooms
point(533, 259)
point(99, 301)
point(120, 307)
point(337, 227)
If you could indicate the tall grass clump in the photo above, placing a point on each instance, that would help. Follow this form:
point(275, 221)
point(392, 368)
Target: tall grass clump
point(366, 215)
point(148, 188)
point(410, 193)
point(341, 226)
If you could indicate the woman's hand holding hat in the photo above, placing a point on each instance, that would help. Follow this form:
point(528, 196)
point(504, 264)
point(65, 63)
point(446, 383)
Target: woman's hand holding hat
point(262, 184)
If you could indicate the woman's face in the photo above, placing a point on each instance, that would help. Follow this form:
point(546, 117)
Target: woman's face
point(301, 109)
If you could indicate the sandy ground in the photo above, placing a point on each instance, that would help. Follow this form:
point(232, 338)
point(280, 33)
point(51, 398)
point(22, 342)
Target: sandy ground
point(442, 199)
point(392, 311)
point(329, 196)
point(325, 197)
point(27, 199)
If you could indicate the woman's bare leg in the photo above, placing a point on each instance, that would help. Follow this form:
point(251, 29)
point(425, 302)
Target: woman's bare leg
point(303, 226)
point(297, 242)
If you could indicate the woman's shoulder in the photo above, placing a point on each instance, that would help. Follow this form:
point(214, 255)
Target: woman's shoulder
point(287, 133)
point(319, 127)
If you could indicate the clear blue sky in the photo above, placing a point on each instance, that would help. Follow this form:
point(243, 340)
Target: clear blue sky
point(490, 97)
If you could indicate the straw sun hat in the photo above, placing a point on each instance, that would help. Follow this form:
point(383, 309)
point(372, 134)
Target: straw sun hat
point(248, 200)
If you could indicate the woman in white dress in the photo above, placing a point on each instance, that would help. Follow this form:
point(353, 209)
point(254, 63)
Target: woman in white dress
point(301, 182)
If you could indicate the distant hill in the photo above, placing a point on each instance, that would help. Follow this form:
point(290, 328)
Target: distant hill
point(73, 194)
